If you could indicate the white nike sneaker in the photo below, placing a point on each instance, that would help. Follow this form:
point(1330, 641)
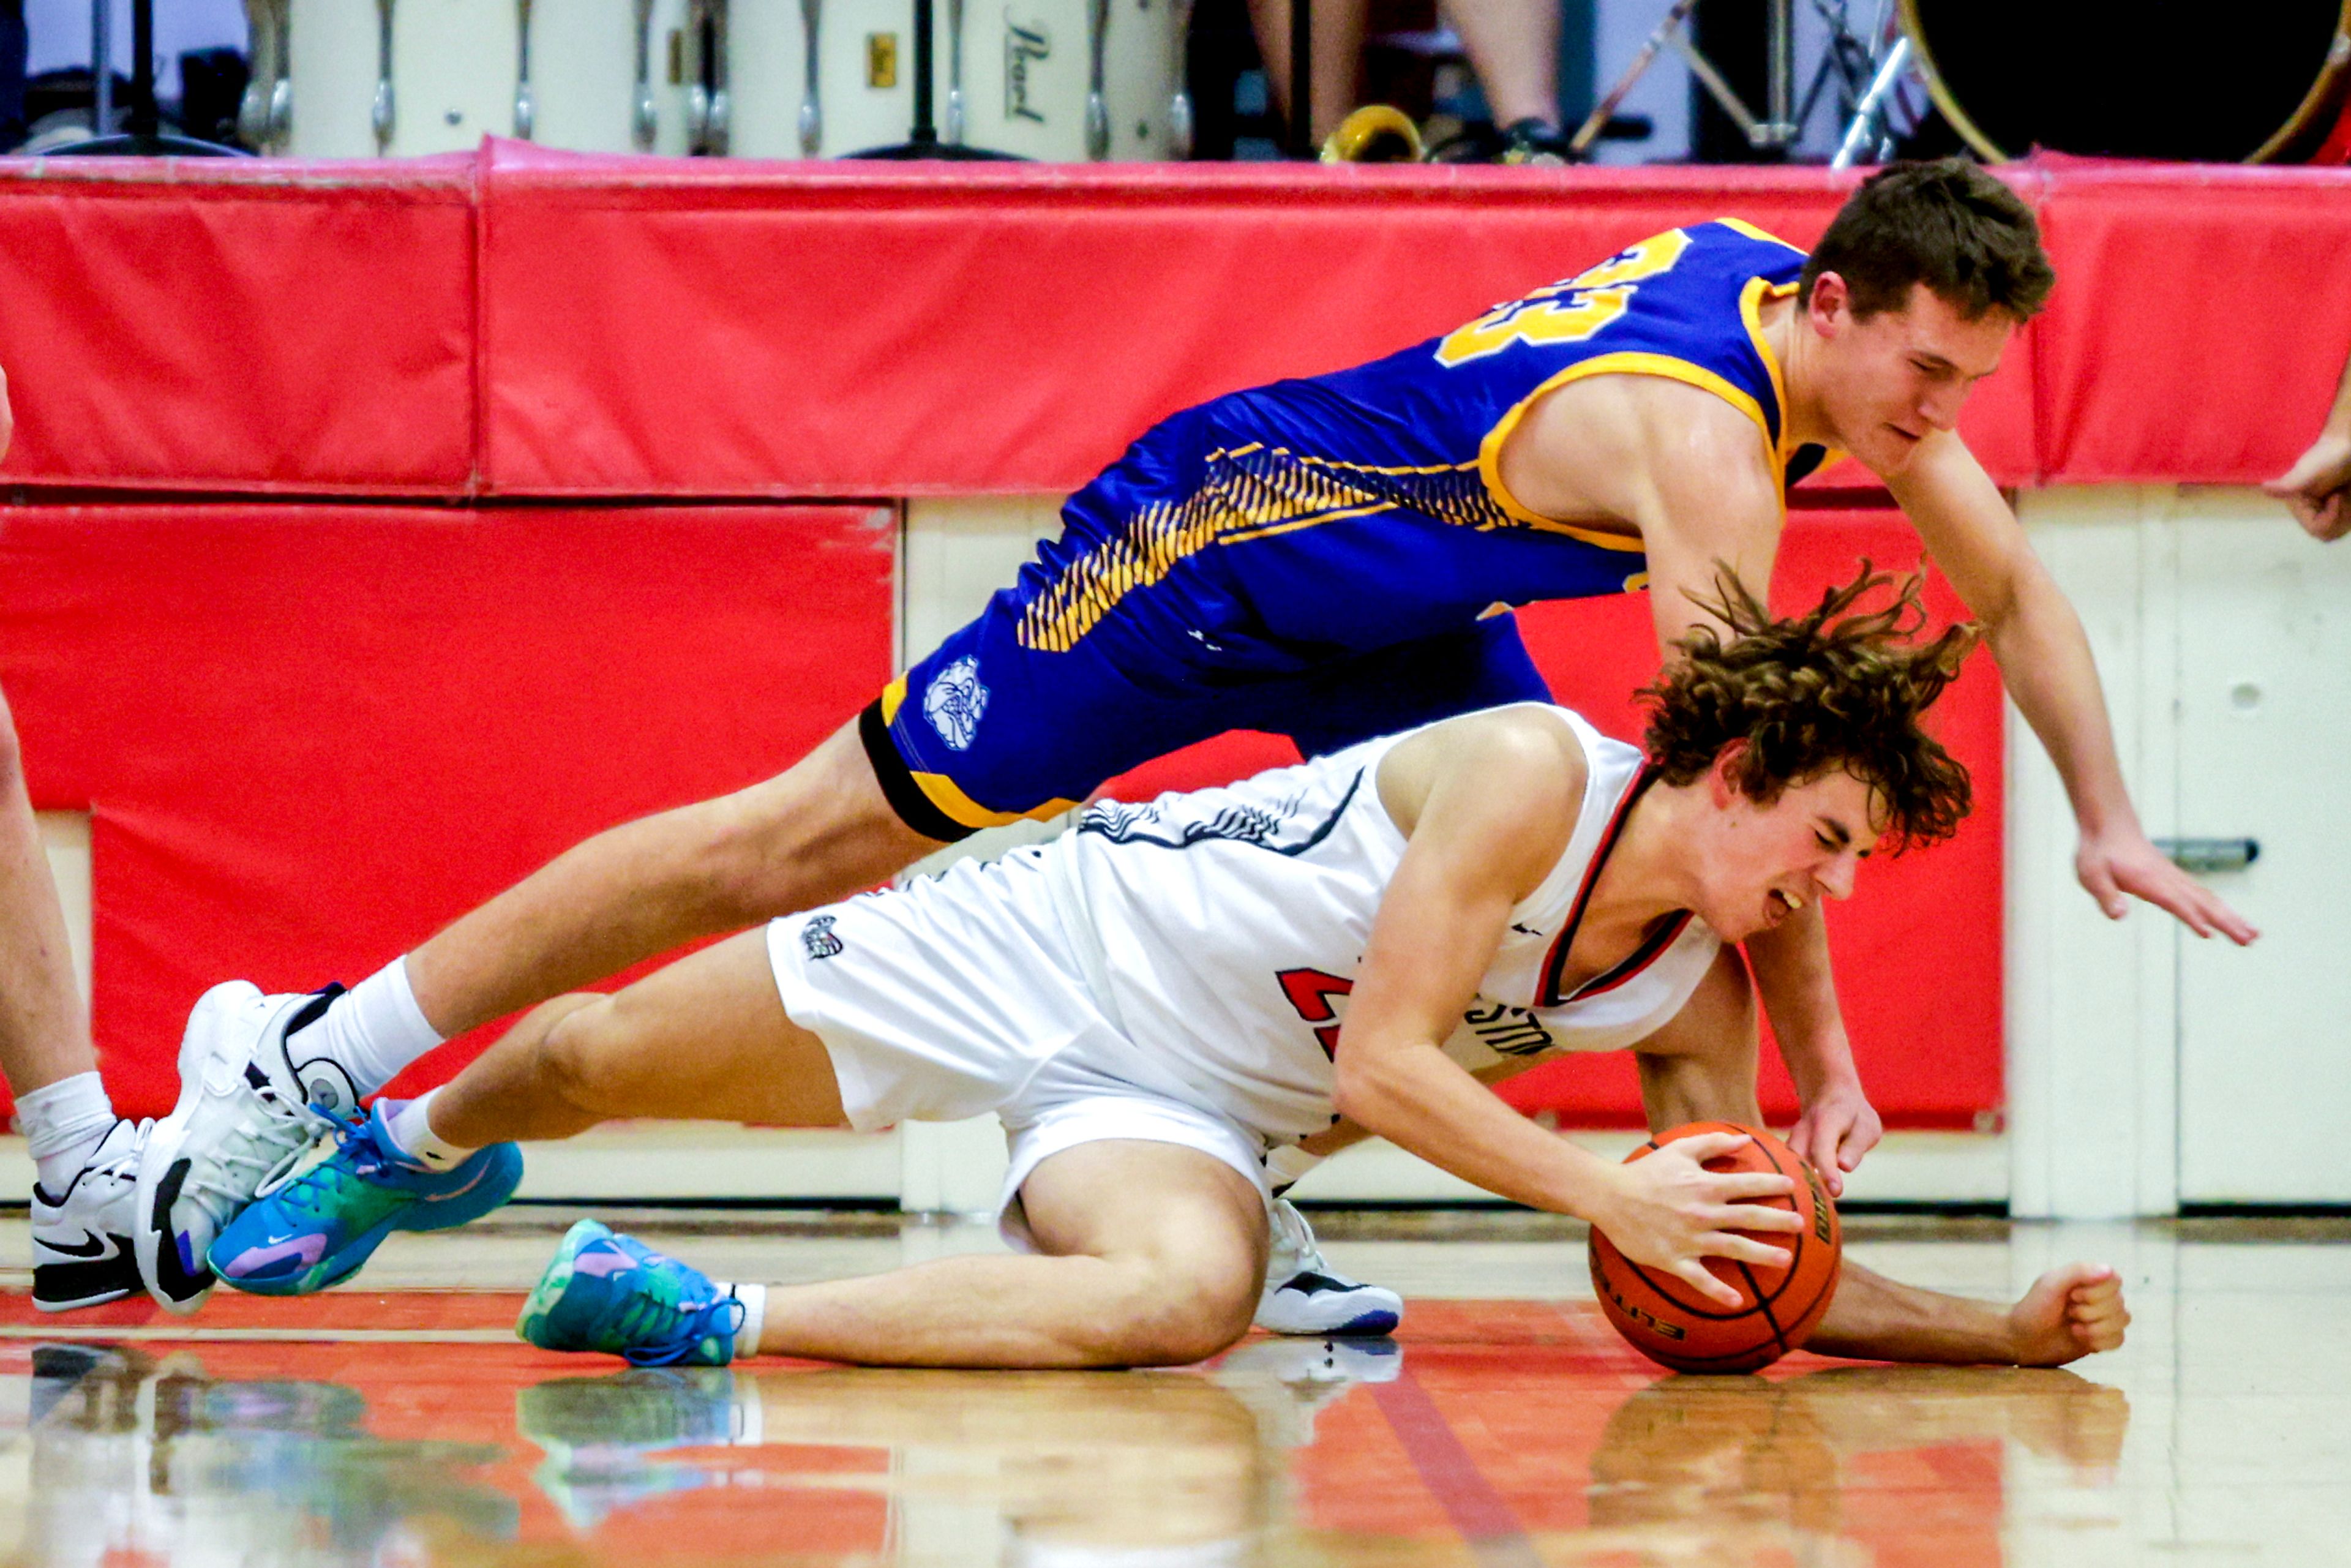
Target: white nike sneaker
point(82, 1252)
point(1303, 1295)
point(245, 1110)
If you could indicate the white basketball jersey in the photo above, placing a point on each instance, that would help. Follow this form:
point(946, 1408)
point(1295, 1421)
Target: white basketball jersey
point(1225, 927)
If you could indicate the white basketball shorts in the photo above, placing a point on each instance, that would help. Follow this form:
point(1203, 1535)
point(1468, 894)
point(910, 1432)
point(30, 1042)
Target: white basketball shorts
point(962, 995)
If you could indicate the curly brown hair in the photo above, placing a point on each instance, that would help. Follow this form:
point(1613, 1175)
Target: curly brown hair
point(1839, 687)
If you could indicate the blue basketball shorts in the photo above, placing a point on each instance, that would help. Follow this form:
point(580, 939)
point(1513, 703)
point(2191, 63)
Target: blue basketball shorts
point(986, 731)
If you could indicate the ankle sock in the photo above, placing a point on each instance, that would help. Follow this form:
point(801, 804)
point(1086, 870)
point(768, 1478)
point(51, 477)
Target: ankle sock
point(64, 1122)
point(755, 1317)
point(412, 1135)
point(371, 1031)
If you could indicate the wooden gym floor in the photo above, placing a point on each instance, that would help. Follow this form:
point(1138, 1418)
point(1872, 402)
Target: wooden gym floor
point(400, 1425)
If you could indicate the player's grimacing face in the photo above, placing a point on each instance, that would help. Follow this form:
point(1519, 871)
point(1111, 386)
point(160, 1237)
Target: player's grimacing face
point(1770, 861)
point(1896, 378)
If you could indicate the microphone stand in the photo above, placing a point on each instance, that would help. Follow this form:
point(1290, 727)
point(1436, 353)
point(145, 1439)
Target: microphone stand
point(922, 138)
point(143, 135)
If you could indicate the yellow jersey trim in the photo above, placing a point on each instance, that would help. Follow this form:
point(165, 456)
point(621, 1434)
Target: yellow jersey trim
point(1751, 232)
point(1490, 450)
point(949, 796)
point(1751, 311)
point(894, 697)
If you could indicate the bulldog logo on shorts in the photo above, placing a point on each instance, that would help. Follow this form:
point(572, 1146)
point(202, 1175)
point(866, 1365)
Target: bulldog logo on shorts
point(818, 938)
point(955, 702)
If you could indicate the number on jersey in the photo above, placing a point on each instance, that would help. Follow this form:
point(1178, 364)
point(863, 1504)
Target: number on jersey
point(1566, 312)
point(1309, 991)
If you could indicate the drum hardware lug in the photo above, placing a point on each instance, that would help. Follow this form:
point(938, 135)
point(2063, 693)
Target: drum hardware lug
point(1180, 124)
point(811, 106)
point(523, 107)
point(1097, 97)
point(382, 114)
point(951, 126)
point(2210, 854)
point(261, 114)
point(706, 41)
point(646, 122)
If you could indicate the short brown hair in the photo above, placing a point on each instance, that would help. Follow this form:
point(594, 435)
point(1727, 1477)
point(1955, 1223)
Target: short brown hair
point(1839, 687)
point(1947, 224)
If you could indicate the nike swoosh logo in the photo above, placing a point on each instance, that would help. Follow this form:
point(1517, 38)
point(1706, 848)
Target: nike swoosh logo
point(471, 1183)
point(92, 1247)
point(173, 1277)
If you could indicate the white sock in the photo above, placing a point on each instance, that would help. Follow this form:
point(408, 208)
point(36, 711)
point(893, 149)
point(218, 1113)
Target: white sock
point(371, 1031)
point(64, 1122)
point(412, 1133)
point(755, 1317)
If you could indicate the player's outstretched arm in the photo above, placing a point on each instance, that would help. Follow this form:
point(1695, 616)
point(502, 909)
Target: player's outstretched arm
point(2069, 1312)
point(1486, 820)
point(2044, 658)
point(1706, 495)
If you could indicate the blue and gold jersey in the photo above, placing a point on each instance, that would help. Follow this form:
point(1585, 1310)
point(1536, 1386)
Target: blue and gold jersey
point(1320, 559)
point(1364, 508)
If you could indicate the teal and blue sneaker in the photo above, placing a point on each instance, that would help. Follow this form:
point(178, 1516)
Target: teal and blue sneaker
point(612, 1293)
point(321, 1220)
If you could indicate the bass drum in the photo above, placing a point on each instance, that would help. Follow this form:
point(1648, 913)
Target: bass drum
point(2178, 79)
point(400, 76)
point(608, 76)
point(819, 78)
point(1067, 81)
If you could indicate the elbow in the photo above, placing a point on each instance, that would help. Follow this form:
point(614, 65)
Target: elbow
point(1360, 1091)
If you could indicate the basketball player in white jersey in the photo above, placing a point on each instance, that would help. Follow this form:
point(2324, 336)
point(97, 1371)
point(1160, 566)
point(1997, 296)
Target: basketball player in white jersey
point(1155, 1000)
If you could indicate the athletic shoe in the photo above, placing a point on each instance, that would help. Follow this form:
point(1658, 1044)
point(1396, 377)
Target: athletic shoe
point(330, 1212)
point(82, 1251)
point(615, 1294)
point(244, 1113)
point(1304, 1295)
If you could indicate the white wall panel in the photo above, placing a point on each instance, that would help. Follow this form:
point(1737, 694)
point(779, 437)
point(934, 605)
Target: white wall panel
point(2265, 681)
point(2091, 1032)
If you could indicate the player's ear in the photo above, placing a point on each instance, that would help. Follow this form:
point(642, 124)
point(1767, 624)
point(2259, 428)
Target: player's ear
point(1723, 789)
point(1829, 308)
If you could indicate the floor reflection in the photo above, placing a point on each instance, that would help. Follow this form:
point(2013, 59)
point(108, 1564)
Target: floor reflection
point(1493, 1436)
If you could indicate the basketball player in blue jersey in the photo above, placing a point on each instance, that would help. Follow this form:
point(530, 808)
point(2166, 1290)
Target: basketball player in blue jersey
point(1328, 558)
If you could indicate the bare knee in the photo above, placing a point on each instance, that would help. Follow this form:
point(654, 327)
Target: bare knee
point(1173, 1315)
point(574, 1057)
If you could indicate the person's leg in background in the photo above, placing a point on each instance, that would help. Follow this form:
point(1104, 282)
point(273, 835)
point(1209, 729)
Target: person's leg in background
point(1338, 51)
point(85, 1158)
point(1513, 46)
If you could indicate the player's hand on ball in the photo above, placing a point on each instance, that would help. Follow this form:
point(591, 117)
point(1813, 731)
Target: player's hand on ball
point(2069, 1313)
point(1837, 1128)
point(1669, 1212)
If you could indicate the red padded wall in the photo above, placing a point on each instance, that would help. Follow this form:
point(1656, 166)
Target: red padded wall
point(309, 737)
point(748, 328)
point(216, 325)
point(1923, 923)
point(2200, 322)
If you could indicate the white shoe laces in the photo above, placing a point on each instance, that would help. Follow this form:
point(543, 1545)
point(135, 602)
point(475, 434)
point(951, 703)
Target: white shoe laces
point(271, 1134)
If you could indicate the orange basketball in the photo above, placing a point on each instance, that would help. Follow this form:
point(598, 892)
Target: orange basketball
point(1673, 1325)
